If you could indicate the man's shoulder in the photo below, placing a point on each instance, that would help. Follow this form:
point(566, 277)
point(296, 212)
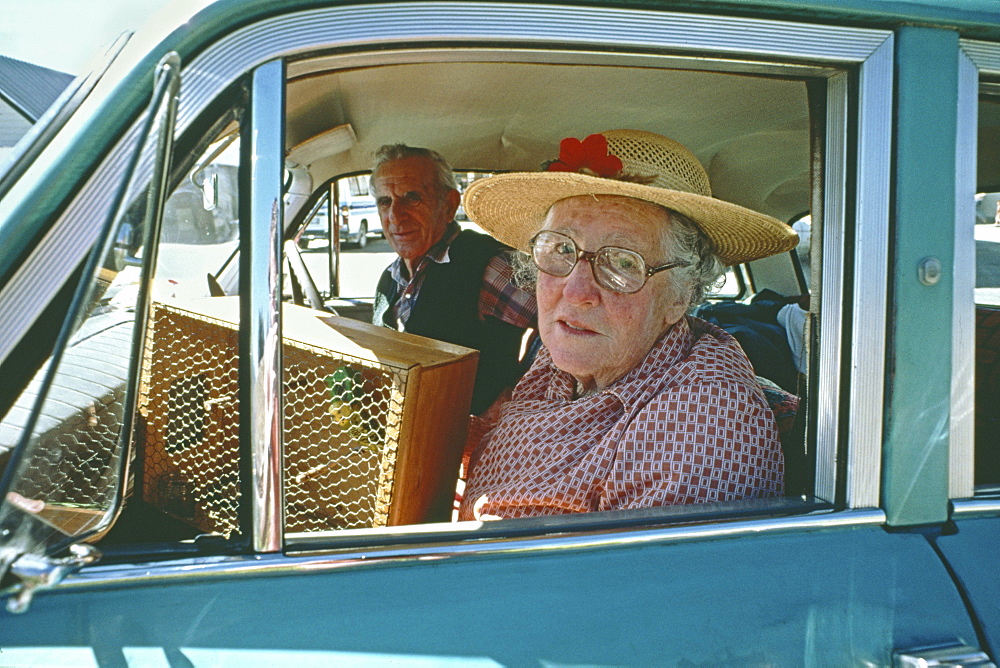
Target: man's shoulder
point(478, 242)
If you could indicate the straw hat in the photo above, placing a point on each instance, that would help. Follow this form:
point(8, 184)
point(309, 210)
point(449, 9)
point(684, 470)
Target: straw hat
point(513, 206)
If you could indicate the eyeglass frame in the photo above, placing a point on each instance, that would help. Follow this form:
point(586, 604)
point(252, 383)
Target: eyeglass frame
point(590, 255)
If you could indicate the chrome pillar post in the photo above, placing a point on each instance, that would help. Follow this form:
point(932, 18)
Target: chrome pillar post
point(262, 505)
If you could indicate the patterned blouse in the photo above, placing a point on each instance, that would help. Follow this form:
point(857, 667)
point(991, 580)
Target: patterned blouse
point(689, 424)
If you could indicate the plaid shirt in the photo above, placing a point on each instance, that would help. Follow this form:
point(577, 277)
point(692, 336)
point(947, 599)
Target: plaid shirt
point(689, 424)
point(499, 297)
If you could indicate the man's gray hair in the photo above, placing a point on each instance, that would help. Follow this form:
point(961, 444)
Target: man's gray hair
point(391, 152)
point(683, 240)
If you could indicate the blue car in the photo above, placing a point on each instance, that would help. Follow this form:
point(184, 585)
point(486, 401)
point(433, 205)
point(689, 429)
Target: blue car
point(203, 464)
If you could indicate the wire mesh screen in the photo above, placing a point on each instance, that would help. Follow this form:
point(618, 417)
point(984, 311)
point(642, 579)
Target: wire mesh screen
point(341, 429)
point(190, 397)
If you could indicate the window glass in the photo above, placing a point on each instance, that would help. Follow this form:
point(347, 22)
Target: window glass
point(520, 98)
point(74, 414)
point(69, 474)
point(200, 229)
point(188, 401)
point(732, 286)
point(987, 412)
point(988, 249)
point(987, 292)
point(803, 227)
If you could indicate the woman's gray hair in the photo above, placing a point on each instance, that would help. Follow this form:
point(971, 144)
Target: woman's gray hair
point(683, 240)
point(391, 152)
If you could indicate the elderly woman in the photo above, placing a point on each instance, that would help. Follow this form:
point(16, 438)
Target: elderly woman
point(630, 402)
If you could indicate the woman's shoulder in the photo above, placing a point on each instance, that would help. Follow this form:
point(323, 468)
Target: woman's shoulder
point(717, 352)
point(712, 358)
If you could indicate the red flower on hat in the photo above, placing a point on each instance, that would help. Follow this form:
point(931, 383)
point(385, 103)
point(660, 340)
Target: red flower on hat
point(589, 156)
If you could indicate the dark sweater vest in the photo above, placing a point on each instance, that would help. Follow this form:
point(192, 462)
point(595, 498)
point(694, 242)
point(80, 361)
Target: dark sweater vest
point(447, 309)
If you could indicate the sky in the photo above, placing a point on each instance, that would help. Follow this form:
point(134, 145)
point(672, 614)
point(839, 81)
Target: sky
point(66, 35)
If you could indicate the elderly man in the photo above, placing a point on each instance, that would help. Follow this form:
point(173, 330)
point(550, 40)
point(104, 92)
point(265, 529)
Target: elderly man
point(446, 284)
point(631, 402)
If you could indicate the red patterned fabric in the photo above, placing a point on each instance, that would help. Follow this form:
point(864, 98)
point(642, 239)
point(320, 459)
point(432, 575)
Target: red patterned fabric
point(500, 297)
point(689, 424)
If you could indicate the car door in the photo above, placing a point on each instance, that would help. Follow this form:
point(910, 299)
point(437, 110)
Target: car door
point(222, 553)
point(973, 483)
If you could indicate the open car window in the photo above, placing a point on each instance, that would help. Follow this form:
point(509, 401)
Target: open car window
point(374, 421)
point(349, 420)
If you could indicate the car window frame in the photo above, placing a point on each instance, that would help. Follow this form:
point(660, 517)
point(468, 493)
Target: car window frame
point(836, 51)
point(869, 267)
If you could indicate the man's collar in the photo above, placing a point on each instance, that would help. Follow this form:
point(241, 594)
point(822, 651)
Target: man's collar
point(437, 253)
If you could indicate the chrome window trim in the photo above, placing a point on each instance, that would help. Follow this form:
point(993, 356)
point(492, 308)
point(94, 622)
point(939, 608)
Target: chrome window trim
point(871, 266)
point(984, 55)
point(976, 59)
point(352, 558)
point(961, 438)
point(398, 56)
point(420, 25)
point(832, 286)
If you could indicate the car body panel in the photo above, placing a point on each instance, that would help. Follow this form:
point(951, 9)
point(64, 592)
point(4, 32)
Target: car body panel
point(878, 591)
point(975, 569)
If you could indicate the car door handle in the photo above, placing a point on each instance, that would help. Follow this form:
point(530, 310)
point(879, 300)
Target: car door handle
point(933, 656)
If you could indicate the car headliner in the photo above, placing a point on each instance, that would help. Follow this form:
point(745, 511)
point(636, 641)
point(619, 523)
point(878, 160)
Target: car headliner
point(751, 133)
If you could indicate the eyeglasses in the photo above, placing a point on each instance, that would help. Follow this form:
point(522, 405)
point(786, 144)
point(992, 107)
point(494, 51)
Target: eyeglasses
point(616, 269)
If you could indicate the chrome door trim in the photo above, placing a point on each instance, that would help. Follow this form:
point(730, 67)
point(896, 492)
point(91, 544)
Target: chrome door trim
point(353, 558)
point(971, 507)
point(961, 438)
point(564, 56)
point(831, 302)
point(984, 55)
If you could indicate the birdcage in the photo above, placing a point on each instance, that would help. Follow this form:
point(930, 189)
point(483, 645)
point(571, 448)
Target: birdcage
point(374, 420)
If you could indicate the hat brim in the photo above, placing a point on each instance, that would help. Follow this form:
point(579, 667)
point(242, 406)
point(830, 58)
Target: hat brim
point(513, 206)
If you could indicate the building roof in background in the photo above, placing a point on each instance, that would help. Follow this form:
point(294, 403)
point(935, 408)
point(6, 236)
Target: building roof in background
point(30, 89)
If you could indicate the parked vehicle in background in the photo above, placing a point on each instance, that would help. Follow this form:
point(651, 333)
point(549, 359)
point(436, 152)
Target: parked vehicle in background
point(201, 466)
point(357, 216)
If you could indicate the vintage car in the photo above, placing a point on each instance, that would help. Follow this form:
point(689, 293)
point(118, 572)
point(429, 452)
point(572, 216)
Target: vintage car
point(211, 458)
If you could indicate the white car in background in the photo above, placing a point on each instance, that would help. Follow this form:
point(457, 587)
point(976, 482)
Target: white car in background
point(358, 219)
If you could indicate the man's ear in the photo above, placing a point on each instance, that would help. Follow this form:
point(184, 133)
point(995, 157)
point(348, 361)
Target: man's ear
point(452, 199)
